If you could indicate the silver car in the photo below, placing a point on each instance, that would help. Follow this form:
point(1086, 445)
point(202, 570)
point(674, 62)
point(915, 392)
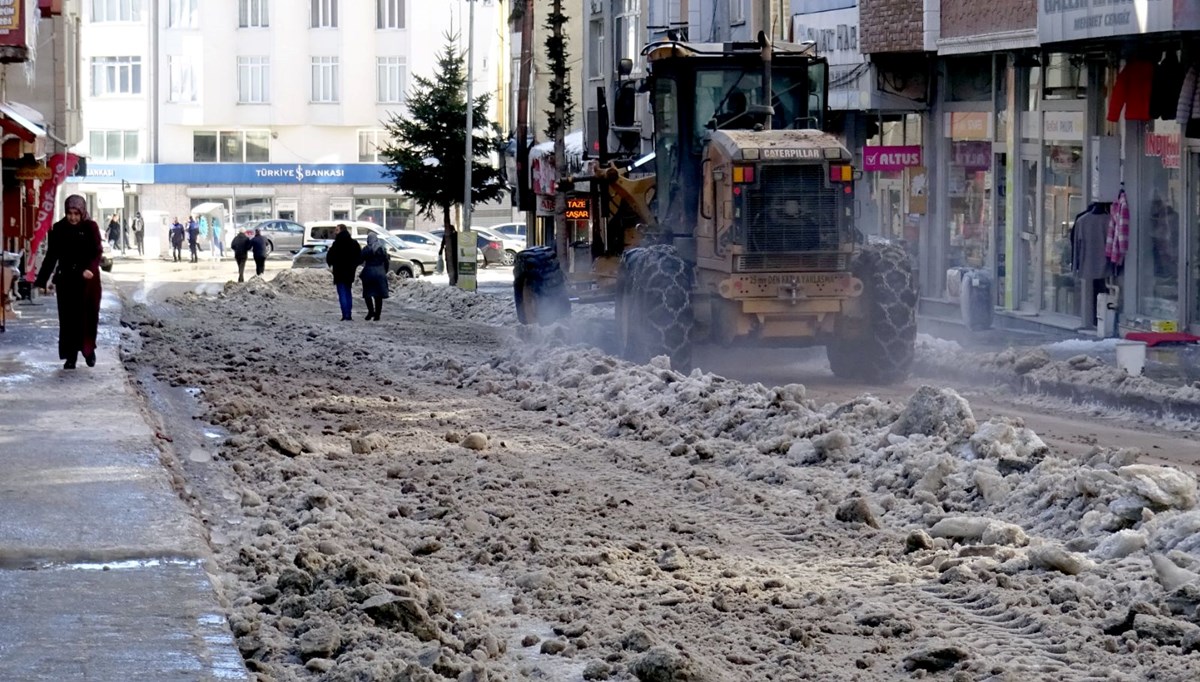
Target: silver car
point(284, 236)
point(423, 243)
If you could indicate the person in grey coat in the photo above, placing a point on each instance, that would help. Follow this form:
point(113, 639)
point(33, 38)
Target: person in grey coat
point(376, 265)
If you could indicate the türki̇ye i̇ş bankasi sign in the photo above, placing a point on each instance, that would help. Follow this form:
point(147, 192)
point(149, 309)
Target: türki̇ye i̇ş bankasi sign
point(1065, 20)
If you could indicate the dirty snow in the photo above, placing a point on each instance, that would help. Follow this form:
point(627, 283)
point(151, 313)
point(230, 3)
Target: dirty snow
point(434, 496)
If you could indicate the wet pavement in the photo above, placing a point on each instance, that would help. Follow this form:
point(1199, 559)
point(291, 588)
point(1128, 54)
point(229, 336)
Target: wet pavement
point(102, 565)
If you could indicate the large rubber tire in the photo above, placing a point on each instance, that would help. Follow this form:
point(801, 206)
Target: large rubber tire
point(654, 306)
point(884, 353)
point(539, 288)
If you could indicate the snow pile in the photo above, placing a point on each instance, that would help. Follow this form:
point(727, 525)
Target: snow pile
point(407, 497)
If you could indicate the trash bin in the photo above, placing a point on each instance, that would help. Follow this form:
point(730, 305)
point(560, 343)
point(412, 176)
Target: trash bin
point(975, 299)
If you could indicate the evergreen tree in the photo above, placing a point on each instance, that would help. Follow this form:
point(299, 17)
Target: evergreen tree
point(425, 151)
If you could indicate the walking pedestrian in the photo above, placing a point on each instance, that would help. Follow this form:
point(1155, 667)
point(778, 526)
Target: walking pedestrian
point(177, 235)
point(193, 235)
point(114, 232)
point(258, 248)
point(240, 247)
point(139, 233)
point(73, 251)
point(218, 250)
point(376, 265)
point(343, 258)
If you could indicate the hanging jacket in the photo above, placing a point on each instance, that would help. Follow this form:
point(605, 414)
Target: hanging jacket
point(1131, 92)
point(1188, 106)
point(1168, 80)
point(1116, 244)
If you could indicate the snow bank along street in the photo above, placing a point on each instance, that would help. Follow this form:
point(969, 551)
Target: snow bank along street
point(432, 497)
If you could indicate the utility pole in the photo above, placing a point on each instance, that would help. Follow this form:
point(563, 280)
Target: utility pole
point(470, 152)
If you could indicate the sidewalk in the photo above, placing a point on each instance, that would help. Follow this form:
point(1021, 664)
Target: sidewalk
point(101, 564)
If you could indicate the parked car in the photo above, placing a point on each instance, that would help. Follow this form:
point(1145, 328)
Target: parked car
point(511, 230)
point(313, 256)
point(407, 259)
point(423, 242)
point(511, 245)
point(492, 250)
point(281, 235)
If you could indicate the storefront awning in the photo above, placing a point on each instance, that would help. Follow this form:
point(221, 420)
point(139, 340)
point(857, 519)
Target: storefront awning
point(22, 121)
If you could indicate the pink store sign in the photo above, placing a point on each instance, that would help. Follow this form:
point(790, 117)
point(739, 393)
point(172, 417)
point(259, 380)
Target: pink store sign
point(891, 158)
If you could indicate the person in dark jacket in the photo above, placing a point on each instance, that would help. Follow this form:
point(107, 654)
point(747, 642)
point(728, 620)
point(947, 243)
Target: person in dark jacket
point(138, 227)
point(241, 248)
point(193, 234)
point(376, 265)
point(177, 235)
point(114, 232)
point(343, 257)
point(258, 248)
point(73, 251)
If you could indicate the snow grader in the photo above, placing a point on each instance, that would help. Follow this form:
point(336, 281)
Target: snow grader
point(743, 233)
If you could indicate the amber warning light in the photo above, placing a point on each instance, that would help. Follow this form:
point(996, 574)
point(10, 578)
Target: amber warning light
point(578, 209)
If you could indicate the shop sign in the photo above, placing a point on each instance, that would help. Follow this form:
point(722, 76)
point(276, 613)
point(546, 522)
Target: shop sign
point(834, 33)
point(12, 31)
point(578, 208)
point(61, 165)
point(38, 172)
point(1063, 125)
point(973, 156)
point(543, 176)
point(1062, 20)
point(885, 158)
point(545, 206)
point(970, 125)
point(1164, 147)
point(270, 173)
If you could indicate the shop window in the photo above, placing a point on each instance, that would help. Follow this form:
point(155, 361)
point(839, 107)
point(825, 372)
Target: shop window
point(1194, 274)
point(249, 209)
point(1062, 195)
point(392, 212)
point(1158, 220)
point(969, 79)
point(1065, 77)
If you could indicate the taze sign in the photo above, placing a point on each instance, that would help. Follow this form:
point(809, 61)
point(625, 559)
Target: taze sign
point(61, 165)
point(891, 158)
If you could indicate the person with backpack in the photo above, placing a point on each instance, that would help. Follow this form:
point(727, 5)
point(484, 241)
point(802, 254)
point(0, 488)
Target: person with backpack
point(139, 233)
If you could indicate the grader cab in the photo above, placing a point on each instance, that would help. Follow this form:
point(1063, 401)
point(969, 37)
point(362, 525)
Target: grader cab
point(744, 232)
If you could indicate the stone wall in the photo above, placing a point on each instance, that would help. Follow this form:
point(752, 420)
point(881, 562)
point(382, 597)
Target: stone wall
point(891, 26)
point(961, 19)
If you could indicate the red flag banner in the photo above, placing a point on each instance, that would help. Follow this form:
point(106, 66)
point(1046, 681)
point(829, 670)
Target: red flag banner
point(61, 165)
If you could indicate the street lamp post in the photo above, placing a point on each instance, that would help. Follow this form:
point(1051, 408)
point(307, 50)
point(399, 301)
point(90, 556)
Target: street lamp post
point(470, 150)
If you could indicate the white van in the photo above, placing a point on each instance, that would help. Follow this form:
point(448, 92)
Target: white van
point(405, 261)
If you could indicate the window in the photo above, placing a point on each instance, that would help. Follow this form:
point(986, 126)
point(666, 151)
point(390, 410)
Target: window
point(737, 11)
point(324, 13)
point(116, 76)
point(183, 14)
point(324, 79)
point(181, 79)
point(117, 146)
point(595, 49)
point(254, 80)
point(116, 10)
point(368, 145)
point(253, 14)
point(231, 146)
point(389, 13)
point(627, 42)
point(390, 78)
point(391, 212)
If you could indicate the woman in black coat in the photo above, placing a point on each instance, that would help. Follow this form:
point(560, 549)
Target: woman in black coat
point(376, 265)
point(241, 248)
point(73, 250)
point(343, 258)
point(258, 249)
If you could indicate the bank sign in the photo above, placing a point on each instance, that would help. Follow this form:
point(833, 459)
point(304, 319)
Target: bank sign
point(238, 173)
point(1066, 20)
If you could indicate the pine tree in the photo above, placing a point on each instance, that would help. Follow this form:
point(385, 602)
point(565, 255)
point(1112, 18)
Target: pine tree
point(425, 151)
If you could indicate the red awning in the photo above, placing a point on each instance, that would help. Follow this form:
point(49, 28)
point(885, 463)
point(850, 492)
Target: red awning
point(18, 120)
point(50, 8)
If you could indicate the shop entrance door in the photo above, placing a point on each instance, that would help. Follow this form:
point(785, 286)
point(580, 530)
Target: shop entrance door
point(891, 205)
point(1028, 268)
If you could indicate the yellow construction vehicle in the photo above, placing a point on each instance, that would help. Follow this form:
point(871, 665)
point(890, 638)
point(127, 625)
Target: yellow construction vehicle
point(744, 232)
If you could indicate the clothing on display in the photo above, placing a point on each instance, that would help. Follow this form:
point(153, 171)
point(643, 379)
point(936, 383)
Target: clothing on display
point(1089, 239)
point(1131, 92)
point(1188, 106)
point(1116, 243)
point(1168, 81)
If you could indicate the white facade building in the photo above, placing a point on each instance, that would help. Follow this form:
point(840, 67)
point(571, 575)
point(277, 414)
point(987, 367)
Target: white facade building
point(255, 109)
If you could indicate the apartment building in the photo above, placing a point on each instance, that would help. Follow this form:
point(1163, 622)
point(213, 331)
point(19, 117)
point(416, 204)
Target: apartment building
point(254, 109)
